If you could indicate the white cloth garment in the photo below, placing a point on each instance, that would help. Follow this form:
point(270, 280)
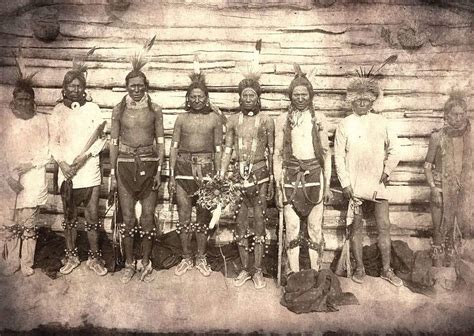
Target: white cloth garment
point(71, 129)
point(365, 147)
point(22, 142)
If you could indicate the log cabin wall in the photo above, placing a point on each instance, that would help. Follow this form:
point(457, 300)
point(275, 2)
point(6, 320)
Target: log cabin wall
point(329, 39)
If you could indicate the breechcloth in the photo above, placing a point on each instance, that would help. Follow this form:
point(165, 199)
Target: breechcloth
point(253, 195)
point(73, 198)
point(136, 169)
point(192, 169)
point(302, 184)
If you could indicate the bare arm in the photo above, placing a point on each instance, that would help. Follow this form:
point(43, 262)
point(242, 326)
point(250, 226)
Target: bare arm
point(228, 145)
point(114, 138)
point(218, 133)
point(174, 145)
point(270, 132)
point(160, 137)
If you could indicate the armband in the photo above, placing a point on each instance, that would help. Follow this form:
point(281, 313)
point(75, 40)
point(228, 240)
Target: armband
point(218, 149)
point(171, 172)
point(175, 144)
point(270, 150)
point(160, 140)
point(428, 165)
point(158, 169)
point(228, 150)
point(112, 172)
point(115, 142)
point(272, 177)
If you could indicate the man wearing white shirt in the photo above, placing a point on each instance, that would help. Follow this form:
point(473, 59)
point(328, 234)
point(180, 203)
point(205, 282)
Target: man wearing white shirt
point(24, 186)
point(365, 155)
point(75, 120)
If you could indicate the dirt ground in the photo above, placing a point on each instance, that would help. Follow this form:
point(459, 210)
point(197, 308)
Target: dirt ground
point(193, 303)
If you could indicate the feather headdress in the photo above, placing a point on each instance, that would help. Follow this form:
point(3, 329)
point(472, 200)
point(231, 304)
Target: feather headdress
point(79, 68)
point(456, 98)
point(139, 58)
point(79, 63)
point(300, 80)
point(365, 86)
point(198, 79)
point(252, 75)
point(24, 80)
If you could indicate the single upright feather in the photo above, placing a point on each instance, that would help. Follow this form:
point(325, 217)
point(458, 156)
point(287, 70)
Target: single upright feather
point(253, 69)
point(196, 65)
point(390, 60)
point(297, 70)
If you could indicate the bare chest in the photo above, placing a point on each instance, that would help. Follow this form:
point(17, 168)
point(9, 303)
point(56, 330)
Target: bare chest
point(198, 124)
point(137, 119)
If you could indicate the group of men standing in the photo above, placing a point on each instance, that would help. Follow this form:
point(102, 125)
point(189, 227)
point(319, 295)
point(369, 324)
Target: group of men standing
point(289, 158)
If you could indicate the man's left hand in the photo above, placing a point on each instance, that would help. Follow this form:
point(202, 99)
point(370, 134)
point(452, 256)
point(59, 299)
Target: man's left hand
point(384, 178)
point(270, 190)
point(156, 181)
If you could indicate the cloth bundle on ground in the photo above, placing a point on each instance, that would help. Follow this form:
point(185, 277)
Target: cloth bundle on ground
point(312, 291)
point(414, 268)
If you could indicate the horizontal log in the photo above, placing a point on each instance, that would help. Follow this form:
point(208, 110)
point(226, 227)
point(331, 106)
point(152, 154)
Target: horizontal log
point(52, 77)
point(374, 13)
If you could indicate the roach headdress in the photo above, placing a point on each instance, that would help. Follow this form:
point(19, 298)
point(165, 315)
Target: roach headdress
point(79, 69)
point(456, 98)
point(138, 61)
point(365, 86)
point(300, 80)
point(198, 79)
point(253, 72)
point(24, 81)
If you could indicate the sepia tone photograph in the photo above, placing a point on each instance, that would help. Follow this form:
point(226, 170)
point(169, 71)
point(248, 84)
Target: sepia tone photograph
point(236, 167)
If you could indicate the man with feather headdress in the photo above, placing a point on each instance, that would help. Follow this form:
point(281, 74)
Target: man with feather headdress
point(366, 152)
point(76, 130)
point(136, 154)
point(251, 134)
point(194, 159)
point(449, 173)
point(23, 170)
point(302, 171)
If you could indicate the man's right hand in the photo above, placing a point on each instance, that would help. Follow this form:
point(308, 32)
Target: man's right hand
point(172, 185)
point(14, 185)
point(436, 197)
point(348, 192)
point(67, 170)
